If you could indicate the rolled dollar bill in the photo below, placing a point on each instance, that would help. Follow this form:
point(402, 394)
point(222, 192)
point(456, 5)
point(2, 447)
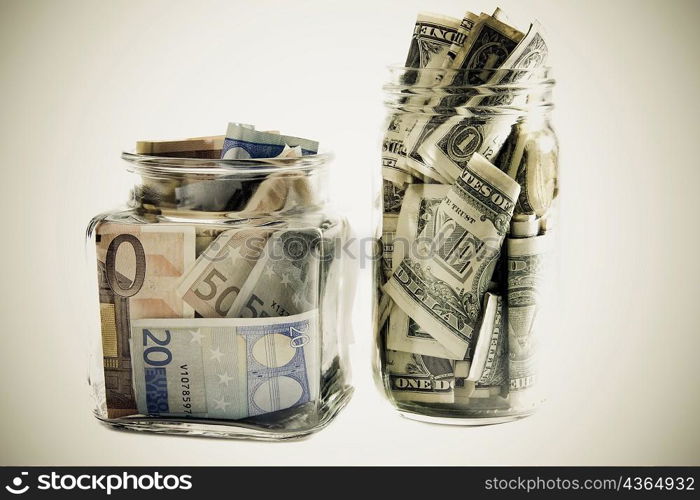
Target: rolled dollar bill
point(525, 273)
point(489, 366)
point(433, 37)
point(535, 166)
point(414, 377)
point(524, 226)
point(393, 197)
point(443, 293)
point(277, 191)
point(486, 36)
point(449, 145)
point(389, 225)
point(224, 368)
point(416, 217)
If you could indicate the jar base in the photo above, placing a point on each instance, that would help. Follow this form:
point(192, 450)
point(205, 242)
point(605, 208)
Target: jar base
point(464, 421)
point(233, 429)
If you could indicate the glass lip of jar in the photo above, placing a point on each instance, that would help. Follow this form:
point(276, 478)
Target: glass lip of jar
point(163, 166)
point(538, 84)
point(540, 77)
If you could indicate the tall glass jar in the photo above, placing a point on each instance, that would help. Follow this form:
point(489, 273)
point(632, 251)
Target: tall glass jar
point(470, 187)
point(221, 299)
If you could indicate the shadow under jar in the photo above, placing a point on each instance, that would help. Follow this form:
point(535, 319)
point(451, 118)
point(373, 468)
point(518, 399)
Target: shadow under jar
point(470, 188)
point(221, 300)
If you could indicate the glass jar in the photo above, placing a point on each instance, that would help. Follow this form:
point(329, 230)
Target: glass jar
point(470, 187)
point(221, 299)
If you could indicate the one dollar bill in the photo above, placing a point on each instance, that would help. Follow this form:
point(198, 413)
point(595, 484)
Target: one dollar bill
point(443, 293)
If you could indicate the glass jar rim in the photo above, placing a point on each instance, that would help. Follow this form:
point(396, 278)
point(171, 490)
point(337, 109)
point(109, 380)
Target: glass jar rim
point(539, 76)
point(150, 165)
point(400, 67)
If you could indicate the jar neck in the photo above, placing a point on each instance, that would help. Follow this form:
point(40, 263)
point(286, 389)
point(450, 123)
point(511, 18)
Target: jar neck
point(234, 195)
point(519, 93)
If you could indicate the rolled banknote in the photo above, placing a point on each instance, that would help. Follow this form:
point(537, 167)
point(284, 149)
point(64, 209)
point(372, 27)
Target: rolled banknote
point(433, 36)
point(463, 387)
point(389, 223)
point(208, 147)
point(414, 377)
point(138, 268)
point(393, 197)
point(525, 273)
point(282, 191)
point(274, 192)
point(488, 351)
point(443, 293)
point(212, 284)
point(417, 217)
point(449, 146)
point(241, 143)
point(489, 366)
point(465, 28)
point(410, 128)
point(285, 279)
point(524, 225)
point(195, 147)
point(224, 368)
point(488, 44)
point(534, 164)
point(224, 194)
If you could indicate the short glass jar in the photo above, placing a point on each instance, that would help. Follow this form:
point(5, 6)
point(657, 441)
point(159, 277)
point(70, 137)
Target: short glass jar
point(470, 188)
point(221, 298)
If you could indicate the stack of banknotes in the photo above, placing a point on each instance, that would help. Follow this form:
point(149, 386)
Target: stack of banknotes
point(206, 320)
point(467, 217)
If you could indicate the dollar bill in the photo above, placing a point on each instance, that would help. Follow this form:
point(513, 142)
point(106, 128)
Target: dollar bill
point(417, 217)
point(389, 223)
point(448, 145)
point(525, 273)
point(392, 197)
point(219, 273)
point(224, 368)
point(433, 36)
point(488, 44)
point(534, 164)
point(465, 27)
point(463, 387)
point(138, 267)
point(285, 279)
point(242, 142)
point(414, 377)
point(443, 293)
point(489, 367)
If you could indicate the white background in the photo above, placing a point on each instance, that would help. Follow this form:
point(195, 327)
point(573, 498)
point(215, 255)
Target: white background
point(83, 80)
